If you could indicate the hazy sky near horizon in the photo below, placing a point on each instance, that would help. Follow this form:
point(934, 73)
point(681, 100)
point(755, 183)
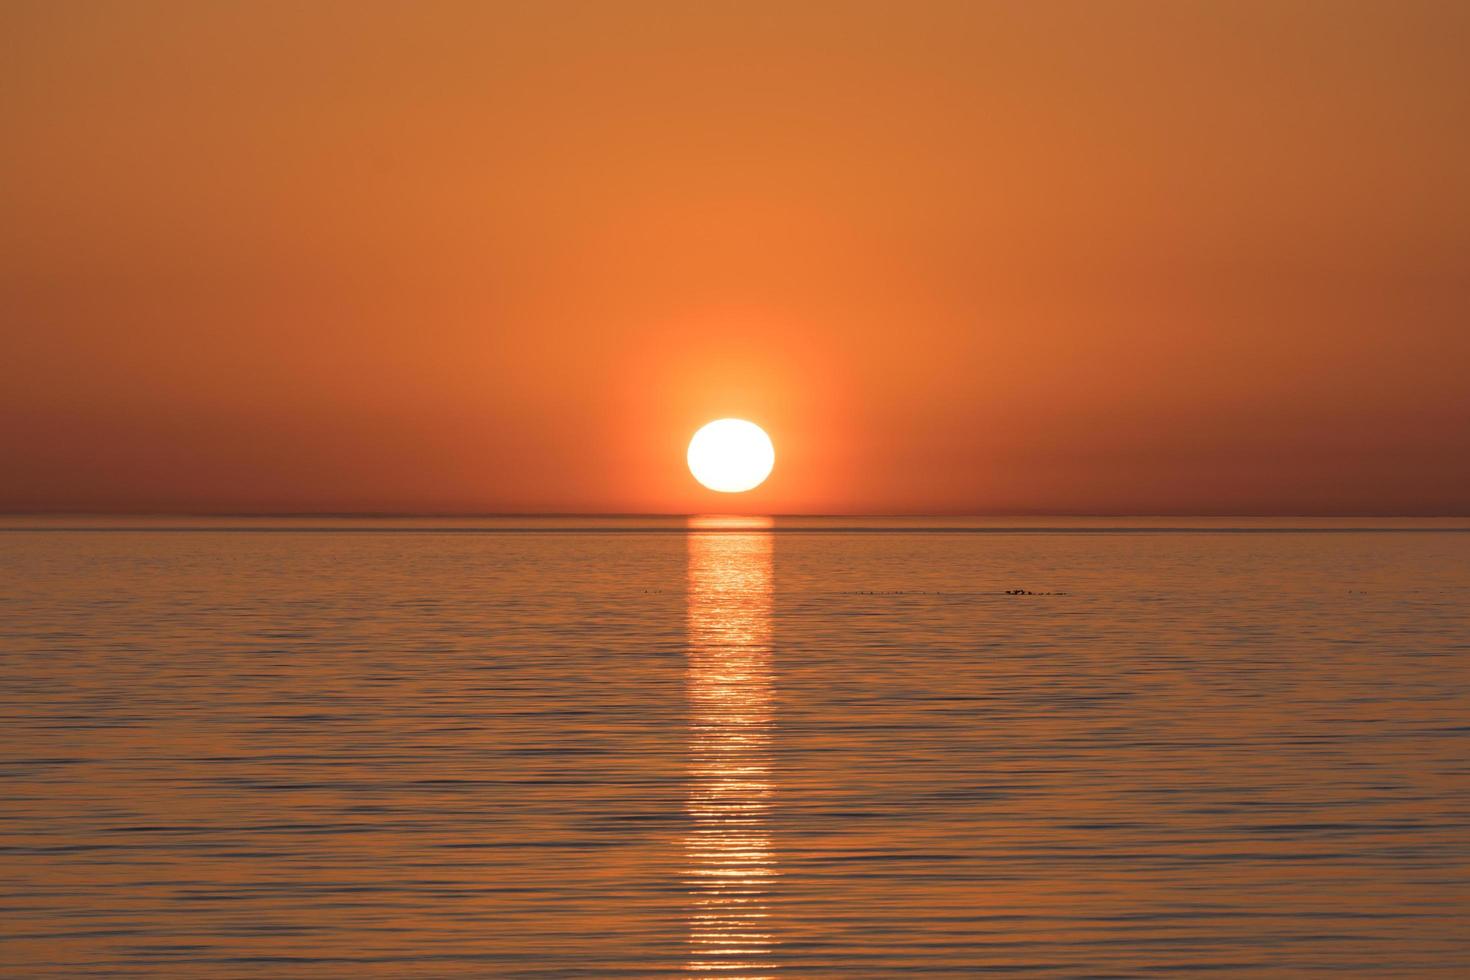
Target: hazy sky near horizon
point(954, 257)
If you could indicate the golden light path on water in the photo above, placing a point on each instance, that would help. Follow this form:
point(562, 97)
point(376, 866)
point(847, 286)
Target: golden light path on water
point(731, 865)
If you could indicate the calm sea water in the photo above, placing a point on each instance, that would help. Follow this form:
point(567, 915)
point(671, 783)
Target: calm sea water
point(624, 748)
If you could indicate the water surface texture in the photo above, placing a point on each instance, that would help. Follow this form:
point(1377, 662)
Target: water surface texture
point(639, 748)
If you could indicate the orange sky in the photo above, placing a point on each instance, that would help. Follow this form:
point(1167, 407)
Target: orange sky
point(954, 257)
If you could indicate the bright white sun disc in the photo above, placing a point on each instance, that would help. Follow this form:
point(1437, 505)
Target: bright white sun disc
point(731, 455)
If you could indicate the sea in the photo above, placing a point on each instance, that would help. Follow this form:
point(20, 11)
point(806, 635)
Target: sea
point(734, 747)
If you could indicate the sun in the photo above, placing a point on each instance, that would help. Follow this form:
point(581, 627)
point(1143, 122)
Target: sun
point(731, 455)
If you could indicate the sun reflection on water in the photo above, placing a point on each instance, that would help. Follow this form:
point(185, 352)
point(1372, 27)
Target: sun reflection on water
point(731, 866)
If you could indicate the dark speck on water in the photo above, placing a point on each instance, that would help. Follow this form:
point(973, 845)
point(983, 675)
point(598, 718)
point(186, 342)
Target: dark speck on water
point(622, 748)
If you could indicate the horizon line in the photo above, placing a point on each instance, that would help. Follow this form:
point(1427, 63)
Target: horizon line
point(854, 515)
